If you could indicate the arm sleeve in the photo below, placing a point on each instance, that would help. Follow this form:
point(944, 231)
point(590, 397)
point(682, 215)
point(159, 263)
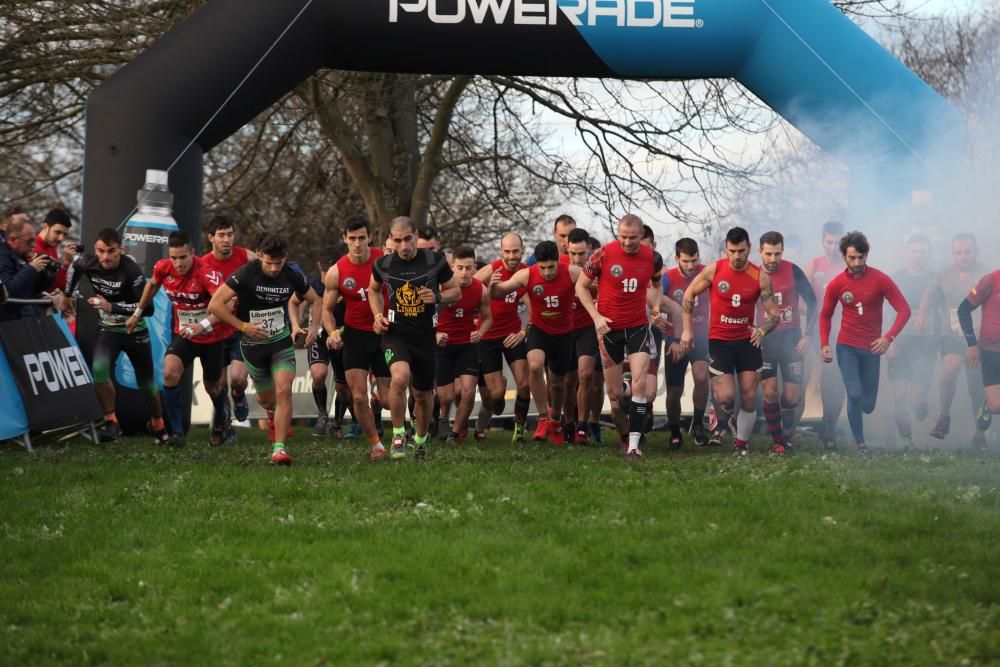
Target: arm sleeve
point(72, 276)
point(965, 320)
point(665, 284)
point(133, 292)
point(805, 290)
point(826, 315)
point(898, 302)
point(593, 266)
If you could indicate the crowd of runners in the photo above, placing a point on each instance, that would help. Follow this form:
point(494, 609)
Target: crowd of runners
point(407, 327)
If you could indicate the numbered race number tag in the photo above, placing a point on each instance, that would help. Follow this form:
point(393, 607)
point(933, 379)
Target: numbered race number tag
point(272, 320)
point(956, 326)
point(189, 318)
point(113, 319)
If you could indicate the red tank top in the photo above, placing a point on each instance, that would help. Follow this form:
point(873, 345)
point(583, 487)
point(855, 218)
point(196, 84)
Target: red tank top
point(986, 293)
point(190, 295)
point(353, 285)
point(506, 319)
point(622, 280)
point(460, 319)
point(552, 300)
point(787, 297)
point(227, 267)
point(734, 297)
point(678, 284)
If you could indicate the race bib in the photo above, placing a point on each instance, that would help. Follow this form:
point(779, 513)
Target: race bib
point(271, 320)
point(189, 318)
point(112, 319)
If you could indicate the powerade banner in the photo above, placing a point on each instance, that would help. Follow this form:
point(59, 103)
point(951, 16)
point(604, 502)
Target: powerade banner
point(803, 58)
point(50, 372)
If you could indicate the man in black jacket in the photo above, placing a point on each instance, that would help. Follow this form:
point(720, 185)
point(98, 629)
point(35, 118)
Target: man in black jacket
point(24, 274)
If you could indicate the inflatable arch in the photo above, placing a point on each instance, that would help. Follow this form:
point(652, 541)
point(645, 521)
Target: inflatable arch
point(802, 57)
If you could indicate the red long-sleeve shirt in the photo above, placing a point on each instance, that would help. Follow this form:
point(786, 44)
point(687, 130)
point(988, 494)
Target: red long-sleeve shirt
point(862, 298)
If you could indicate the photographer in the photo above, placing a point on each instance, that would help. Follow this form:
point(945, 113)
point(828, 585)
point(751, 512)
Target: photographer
point(24, 273)
point(55, 227)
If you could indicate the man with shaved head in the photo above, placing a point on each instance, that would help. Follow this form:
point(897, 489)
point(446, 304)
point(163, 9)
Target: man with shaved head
point(505, 339)
point(417, 280)
point(623, 270)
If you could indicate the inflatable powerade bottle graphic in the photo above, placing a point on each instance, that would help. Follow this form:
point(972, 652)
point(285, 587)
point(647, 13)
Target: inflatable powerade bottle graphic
point(145, 240)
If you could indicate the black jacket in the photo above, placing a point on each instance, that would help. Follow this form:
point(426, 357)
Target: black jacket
point(21, 281)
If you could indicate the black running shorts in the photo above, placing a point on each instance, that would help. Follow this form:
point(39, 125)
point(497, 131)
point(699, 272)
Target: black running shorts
point(733, 356)
point(456, 360)
point(558, 349)
point(418, 352)
point(778, 352)
point(210, 354)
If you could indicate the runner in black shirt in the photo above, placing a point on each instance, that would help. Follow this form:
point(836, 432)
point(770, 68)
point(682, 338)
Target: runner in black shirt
point(264, 287)
point(416, 281)
point(117, 285)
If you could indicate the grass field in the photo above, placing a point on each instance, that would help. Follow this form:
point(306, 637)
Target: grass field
point(128, 554)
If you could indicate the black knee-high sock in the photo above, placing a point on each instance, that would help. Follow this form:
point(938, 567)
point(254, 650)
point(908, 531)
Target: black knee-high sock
point(340, 406)
point(636, 420)
point(320, 396)
point(219, 403)
point(788, 418)
point(521, 404)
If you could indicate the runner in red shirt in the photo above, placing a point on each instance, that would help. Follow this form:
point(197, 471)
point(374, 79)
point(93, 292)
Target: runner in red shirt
point(460, 327)
point(782, 350)
point(586, 357)
point(225, 257)
point(820, 271)
point(623, 270)
point(505, 339)
point(362, 351)
point(862, 291)
point(733, 342)
point(986, 350)
point(189, 283)
point(675, 282)
point(550, 288)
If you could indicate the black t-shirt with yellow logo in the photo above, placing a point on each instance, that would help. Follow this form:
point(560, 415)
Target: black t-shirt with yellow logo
point(407, 314)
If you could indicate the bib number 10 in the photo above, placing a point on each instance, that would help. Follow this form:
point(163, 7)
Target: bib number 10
point(630, 285)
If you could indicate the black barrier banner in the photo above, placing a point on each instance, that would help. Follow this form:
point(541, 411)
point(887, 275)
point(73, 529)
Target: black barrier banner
point(51, 374)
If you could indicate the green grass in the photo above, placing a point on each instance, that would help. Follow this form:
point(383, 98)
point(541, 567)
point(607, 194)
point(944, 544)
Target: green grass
point(129, 554)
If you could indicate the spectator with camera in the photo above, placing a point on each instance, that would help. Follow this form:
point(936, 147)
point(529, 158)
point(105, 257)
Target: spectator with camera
point(55, 227)
point(24, 273)
point(10, 215)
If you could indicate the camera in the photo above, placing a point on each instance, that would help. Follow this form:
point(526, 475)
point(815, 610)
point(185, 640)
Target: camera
point(52, 265)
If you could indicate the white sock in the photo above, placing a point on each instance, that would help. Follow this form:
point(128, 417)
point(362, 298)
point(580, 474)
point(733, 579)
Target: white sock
point(744, 424)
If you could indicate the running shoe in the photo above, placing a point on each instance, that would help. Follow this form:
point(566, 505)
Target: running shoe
point(779, 450)
point(740, 450)
point(633, 454)
point(353, 431)
point(542, 431)
point(596, 435)
point(319, 427)
point(863, 451)
point(941, 428)
point(979, 442)
point(421, 453)
point(453, 439)
point(281, 458)
point(518, 437)
point(676, 442)
point(159, 436)
point(907, 441)
point(378, 453)
point(176, 440)
point(699, 434)
point(715, 440)
point(443, 430)
point(556, 434)
point(241, 407)
point(984, 418)
point(478, 436)
point(218, 434)
point(581, 437)
point(398, 450)
point(335, 431)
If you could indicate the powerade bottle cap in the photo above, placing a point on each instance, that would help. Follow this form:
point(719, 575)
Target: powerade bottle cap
point(154, 195)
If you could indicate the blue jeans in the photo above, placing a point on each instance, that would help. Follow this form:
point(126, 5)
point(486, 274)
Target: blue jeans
point(860, 370)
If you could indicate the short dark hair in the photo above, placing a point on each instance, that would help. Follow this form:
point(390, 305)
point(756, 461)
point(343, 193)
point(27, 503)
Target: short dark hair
point(464, 252)
point(546, 251)
point(855, 240)
point(595, 244)
point(965, 236)
point(330, 256)
point(356, 222)
point(109, 236)
point(686, 246)
point(918, 239)
point(57, 216)
point(220, 222)
point(427, 233)
point(579, 234)
point(737, 235)
point(272, 245)
point(178, 239)
point(833, 228)
point(647, 233)
point(772, 238)
point(563, 218)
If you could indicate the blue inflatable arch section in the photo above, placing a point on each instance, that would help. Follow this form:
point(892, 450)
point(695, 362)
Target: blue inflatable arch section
point(803, 58)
